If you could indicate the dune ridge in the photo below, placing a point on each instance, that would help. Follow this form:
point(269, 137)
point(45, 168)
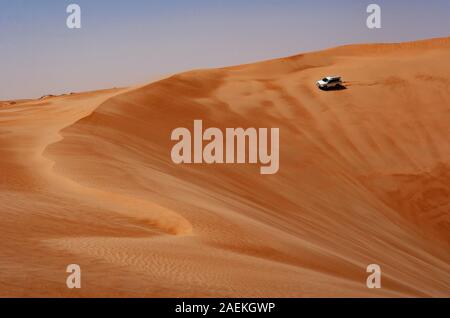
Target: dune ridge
point(364, 178)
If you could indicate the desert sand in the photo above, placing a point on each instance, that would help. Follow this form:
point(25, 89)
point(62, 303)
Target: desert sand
point(364, 178)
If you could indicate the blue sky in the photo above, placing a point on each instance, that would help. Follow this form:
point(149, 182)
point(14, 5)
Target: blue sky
point(134, 41)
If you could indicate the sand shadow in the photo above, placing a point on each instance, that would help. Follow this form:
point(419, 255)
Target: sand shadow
point(336, 88)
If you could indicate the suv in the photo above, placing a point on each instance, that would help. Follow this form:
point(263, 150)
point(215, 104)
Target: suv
point(329, 82)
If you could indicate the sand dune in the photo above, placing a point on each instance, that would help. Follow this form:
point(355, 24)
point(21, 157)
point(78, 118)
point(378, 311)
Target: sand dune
point(364, 178)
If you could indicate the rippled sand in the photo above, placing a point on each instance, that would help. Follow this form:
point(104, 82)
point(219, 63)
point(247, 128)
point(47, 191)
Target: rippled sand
point(364, 178)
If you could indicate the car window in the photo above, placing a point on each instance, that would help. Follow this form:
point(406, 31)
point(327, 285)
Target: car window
point(325, 79)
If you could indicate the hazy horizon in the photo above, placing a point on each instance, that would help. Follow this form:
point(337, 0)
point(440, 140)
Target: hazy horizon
point(124, 43)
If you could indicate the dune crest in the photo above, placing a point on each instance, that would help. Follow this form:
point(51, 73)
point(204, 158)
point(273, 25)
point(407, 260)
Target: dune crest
point(364, 178)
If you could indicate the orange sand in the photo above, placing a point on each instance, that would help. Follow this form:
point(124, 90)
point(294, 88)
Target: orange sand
point(364, 178)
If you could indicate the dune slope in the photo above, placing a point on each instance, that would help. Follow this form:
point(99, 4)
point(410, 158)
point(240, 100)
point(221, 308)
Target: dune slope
point(364, 178)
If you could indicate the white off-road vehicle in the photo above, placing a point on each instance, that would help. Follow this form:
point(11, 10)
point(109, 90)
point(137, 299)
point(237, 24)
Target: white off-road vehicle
point(329, 82)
